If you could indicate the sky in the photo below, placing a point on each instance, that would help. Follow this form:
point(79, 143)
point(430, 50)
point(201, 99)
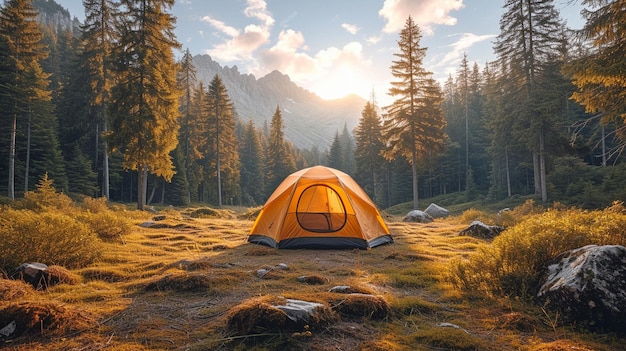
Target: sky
point(338, 47)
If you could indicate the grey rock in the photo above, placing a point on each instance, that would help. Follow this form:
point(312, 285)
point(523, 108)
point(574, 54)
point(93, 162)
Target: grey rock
point(588, 285)
point(418, 217)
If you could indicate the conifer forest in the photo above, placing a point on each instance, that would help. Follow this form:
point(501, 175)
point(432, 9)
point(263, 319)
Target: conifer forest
point(112, 108)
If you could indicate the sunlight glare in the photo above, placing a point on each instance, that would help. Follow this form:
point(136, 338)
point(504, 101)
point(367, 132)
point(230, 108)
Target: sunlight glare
point(341, 81)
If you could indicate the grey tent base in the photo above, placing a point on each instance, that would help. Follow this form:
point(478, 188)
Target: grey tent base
point(320, 242)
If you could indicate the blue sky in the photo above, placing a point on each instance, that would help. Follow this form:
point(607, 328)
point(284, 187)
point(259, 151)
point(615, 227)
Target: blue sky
point(337, 47)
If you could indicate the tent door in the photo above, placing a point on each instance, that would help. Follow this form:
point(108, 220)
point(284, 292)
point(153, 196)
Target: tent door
point(320, 209)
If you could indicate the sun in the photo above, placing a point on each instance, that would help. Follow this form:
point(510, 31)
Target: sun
point(341, 81)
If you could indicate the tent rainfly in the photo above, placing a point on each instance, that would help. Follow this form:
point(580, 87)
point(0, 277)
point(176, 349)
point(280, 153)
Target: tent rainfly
point(319, 208)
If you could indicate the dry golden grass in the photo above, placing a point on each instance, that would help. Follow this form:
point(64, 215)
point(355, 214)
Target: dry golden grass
point(182, 286)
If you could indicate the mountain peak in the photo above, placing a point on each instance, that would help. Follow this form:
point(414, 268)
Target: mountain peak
point(309, 120)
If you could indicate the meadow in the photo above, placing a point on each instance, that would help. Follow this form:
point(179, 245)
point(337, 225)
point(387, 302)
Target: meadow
point(176, 279)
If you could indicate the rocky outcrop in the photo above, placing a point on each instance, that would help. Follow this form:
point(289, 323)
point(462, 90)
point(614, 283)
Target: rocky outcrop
point(588, 285)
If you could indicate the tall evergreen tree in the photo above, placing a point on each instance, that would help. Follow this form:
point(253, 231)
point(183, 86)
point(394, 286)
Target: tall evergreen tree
point(222, 154)
point(370, 163)
point(279, 161)
point(144, 119)
point(196, 129)
point(531, 35)
point(414, 122)
point(601, 75)
point(186, 82)
point(347, 151)
point(252, 182)
point(335, 159)
point(29, 112)
point(99, 34)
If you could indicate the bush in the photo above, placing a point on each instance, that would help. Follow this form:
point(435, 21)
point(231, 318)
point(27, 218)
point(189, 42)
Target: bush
point(50, 238)
point(472, 214)
point(95, 205)
point(46, 197)
point(106, 224)
point(514, 262)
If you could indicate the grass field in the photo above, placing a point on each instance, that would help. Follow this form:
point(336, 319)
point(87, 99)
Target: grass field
point(176, 285)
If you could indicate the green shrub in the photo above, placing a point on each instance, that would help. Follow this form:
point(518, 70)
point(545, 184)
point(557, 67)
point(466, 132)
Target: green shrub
point(513, 263)
point(47, 237)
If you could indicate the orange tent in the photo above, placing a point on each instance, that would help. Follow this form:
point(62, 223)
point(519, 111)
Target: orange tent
point(319, 208)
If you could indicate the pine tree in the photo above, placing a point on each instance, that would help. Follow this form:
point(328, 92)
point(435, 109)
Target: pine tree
point(144, 117)
point(186, 79)
point(601, 75)
point(368, 152)
point(28, 119)
point(222, 154)
point(335, 159)
point(531, 35)
point(99, 34)
point(252, 183)
point(279, 161)
point(82, 178)
point(196, 130)
point(177, 193)
point(414, 122)
point(347, 151)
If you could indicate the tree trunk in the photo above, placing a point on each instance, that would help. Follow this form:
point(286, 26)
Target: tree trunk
point(105, 164)
point(536, 172)
point(219, 181)
point(508, 173)
point(27, 166)
point(154, 187)
point(11, 193)
point(142, 187)
point(542, 168)
point(415, 183)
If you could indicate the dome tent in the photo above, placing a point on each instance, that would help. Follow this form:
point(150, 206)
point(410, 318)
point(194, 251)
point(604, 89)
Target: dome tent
point(319, 208)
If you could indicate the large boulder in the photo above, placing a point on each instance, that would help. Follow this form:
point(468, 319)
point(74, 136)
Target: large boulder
point(588, 285)
point(478, 229)
point(437, 211)
point(417, 216)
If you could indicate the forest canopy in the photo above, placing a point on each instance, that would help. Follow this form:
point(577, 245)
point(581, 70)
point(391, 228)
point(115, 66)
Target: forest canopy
point(106, 109)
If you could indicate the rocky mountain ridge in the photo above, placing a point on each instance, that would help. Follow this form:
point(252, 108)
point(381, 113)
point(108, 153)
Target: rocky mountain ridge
point(309, 120)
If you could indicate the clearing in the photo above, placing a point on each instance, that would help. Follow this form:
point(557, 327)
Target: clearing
point(173, 286)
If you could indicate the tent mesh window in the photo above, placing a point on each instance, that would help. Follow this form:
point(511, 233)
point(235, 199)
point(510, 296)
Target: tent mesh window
point(321, 210)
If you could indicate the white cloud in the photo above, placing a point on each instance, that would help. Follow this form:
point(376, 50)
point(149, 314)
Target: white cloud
point(221, 26)
point(350, 28)
point(287, 57)
point(258, 9)
point(425, 13)
point(241, 45)
point(466, 41)
point(374, 39)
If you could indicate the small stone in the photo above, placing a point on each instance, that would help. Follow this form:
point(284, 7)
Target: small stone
point(341, 289)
